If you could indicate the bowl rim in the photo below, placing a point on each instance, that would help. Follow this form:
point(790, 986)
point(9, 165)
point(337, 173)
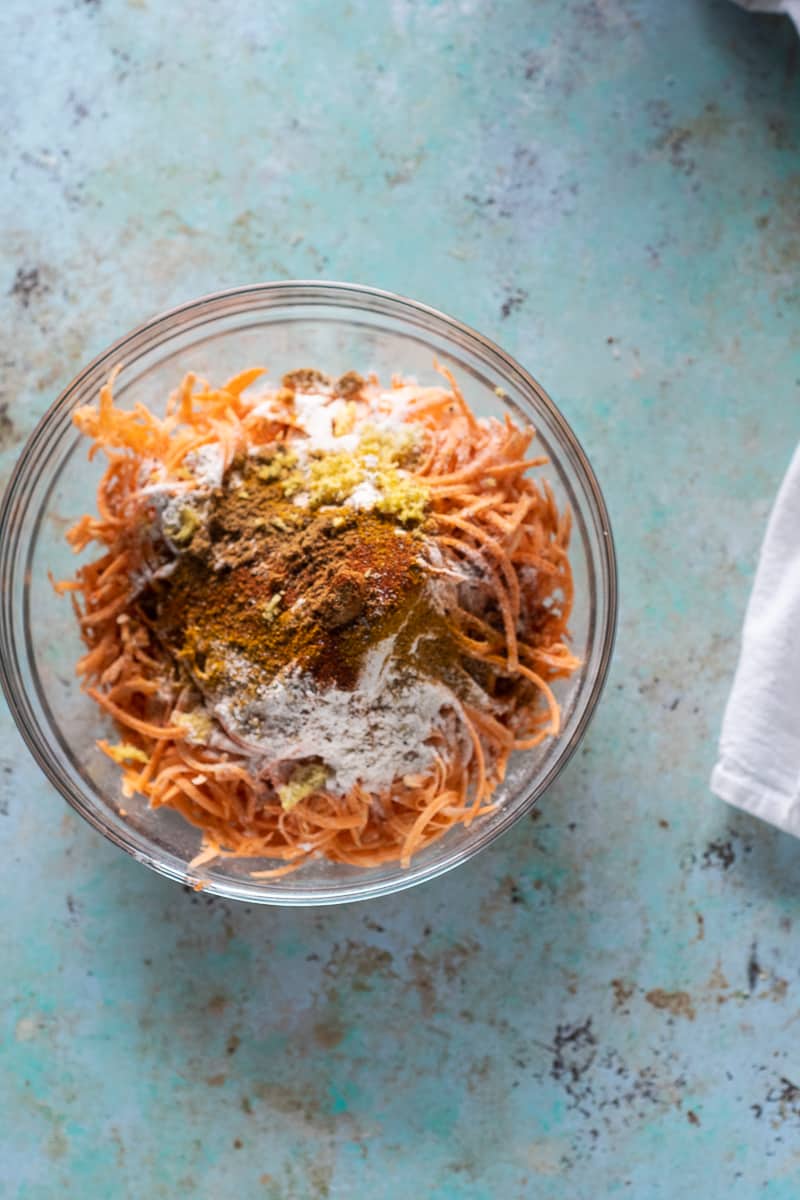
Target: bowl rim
point(359, 295)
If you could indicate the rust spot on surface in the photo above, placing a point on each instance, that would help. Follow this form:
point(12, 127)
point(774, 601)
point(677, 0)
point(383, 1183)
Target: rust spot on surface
point(716, 980)
point(719, 854)
point(8, 434)
point(428, 969)
point(56, 1145)
point(682, 142)
point(781, 241)
point(329, 1032)
point(478, 1074)
point(754, 972)
point(515, 298)
point(27, 285)
point(421, 979)
point(692, 1117)
point(623, 990)
point(513, 890)
point(406, 171)
point(783, 1102)
point(778, 990)
point(358, 966)
point(216, 1080)
point(679, 1004)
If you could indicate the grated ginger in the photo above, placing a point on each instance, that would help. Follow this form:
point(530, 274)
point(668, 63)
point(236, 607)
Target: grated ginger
point(305, 779)
point(198, 724)
point(332, 477)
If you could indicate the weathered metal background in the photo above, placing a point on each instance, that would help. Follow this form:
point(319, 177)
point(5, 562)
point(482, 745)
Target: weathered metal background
point(606, 1002)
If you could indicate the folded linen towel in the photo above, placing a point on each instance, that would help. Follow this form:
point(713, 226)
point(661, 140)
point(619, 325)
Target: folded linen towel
point(759, 753)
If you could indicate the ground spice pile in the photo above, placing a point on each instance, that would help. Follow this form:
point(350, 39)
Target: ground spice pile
point(266, 581)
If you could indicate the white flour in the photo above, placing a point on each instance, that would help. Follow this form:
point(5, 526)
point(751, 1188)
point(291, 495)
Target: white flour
point(207, 464)
point(316, 415)
point(371, 735)
point(365, 495)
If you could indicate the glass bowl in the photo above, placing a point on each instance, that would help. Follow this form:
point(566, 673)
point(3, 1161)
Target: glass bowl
point(336, 327)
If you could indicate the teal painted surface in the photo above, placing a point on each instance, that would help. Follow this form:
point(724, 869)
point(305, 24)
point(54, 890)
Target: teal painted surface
point(607, 1002)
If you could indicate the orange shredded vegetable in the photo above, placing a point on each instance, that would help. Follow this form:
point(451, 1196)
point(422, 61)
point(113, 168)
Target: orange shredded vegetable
point(484, 509)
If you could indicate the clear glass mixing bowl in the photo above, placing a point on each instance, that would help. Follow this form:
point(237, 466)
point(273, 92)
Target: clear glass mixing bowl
point(336, 327)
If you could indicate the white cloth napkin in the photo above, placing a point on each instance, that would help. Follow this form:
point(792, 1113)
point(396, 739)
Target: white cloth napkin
point(790, 7)
point(759, 749)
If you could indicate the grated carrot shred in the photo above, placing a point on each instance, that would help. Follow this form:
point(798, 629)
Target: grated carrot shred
point(484, 511)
